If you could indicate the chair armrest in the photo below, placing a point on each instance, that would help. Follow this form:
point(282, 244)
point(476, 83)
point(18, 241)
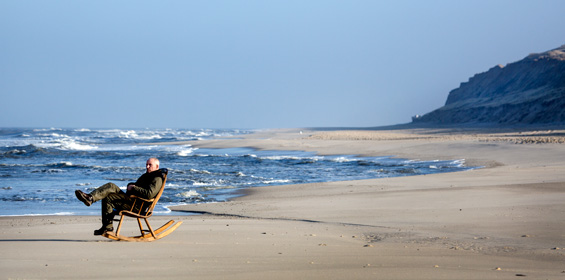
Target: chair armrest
point(142, 199)
point(133, 214)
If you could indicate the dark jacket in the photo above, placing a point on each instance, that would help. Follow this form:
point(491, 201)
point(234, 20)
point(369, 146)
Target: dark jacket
point(148, 185)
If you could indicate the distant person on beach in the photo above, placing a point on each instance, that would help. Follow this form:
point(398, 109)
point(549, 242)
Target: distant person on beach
point(147, 186)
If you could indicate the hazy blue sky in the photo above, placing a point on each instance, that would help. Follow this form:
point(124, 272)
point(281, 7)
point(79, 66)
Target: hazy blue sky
point(254, 64)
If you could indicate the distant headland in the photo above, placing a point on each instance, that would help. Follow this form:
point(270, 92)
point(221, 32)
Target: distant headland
point(529, 91)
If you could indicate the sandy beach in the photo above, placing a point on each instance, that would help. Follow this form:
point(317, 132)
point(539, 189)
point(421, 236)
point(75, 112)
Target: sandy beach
point(505, 220)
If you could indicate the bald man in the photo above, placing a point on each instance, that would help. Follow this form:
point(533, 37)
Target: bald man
point(147, 186)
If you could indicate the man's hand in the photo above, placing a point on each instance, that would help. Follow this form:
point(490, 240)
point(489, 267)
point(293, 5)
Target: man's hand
point(130, 186)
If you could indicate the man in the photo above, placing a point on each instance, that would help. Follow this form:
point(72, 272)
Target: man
point(147, 186)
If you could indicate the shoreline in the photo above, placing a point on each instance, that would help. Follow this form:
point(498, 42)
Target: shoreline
point(501, 221)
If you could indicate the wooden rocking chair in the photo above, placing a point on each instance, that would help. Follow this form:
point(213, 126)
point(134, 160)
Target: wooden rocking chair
point(145, 211)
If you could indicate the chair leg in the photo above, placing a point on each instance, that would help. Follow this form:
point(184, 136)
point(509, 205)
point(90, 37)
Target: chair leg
point(119, 225)
point(150, 228)
point(140, 226)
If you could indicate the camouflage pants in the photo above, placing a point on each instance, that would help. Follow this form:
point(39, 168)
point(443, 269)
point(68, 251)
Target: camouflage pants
point(112, 198)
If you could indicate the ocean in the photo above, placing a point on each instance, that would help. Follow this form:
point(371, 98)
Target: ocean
point(41, 168)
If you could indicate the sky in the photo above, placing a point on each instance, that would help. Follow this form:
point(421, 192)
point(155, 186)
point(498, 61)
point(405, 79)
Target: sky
point(254, 64)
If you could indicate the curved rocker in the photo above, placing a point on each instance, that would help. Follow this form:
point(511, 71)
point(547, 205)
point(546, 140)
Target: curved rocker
point(145, 211)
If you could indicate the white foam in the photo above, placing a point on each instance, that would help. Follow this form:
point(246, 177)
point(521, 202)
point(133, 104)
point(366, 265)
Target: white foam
point(60, 141)
point(181, 151)
point(188, 194)
point(292, 158)
point(202, 134)
point(343, 159)
point(47, 129)
point(127, 134)
point(276, 181)
point(72, 145)
point(215, 183)
point(48, 214)
point(184, 153)
point(219, 188)
point(199, 171)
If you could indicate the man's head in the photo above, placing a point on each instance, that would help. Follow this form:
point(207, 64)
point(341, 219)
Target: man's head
point(152, 165)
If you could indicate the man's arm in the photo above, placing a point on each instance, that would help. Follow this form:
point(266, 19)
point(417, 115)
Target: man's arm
point(149, 191)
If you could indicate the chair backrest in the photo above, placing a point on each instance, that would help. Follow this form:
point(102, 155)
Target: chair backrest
point(149, 211)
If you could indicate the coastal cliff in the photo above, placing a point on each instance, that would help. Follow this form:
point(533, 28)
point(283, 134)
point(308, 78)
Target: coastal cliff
point(529, 91)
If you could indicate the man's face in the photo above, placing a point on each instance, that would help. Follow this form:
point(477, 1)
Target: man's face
point(151, 165)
